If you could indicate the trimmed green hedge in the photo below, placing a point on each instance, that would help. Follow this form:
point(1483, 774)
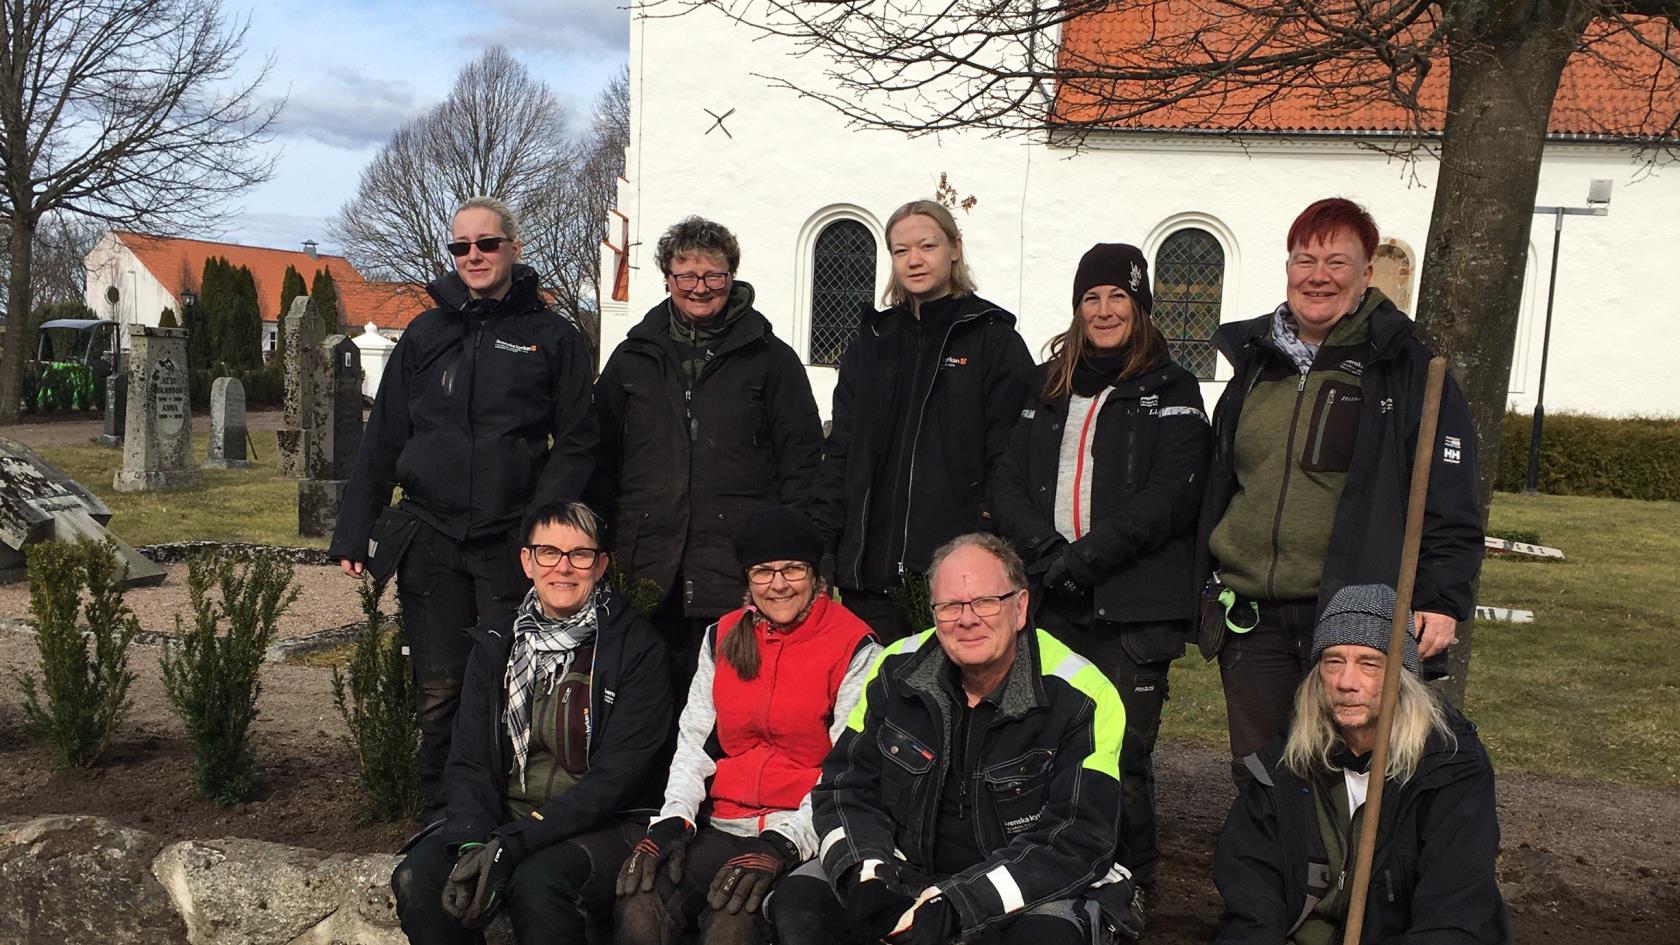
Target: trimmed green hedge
point(1634, 458)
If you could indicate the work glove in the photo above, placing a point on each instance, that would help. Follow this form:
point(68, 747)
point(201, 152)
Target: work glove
point(825, 568)
point(666, 843)
point(477, 886)
point(743, 881)
point(1053, 572)
point(876, 904)
point(935, 922)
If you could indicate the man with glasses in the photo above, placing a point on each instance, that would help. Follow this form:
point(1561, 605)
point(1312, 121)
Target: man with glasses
point(705, 417)
point(482, 413)
point(974, 792)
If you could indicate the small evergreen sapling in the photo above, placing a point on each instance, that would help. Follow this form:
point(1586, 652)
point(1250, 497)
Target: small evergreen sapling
point(375, 694)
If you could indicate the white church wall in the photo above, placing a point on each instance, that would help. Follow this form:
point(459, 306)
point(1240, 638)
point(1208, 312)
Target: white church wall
point(139, 298)
point(785, 163)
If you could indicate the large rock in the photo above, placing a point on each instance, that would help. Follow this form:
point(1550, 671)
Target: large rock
point(247, 892)
point(74, 880)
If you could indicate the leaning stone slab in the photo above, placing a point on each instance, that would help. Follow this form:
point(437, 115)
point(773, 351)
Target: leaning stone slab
point(303, 379)
point(38, 502)
point(81, 881)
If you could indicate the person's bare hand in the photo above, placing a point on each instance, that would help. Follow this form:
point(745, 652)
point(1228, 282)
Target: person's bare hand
point(351, 568)
point(1435, 632)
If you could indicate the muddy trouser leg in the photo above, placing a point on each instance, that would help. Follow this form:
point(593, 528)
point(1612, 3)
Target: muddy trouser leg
point(556, 889)
point(438, 607)
point(1060, 922)
point(663, 916)
point(1260, 671)
point(805, 911)
point(418, 884)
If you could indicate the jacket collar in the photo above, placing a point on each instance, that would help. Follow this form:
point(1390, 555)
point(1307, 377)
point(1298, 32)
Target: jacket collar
point(523, 295)
point(611, 614)
point(967, 308)
point(1159, 375)
point(747, 327)
point(1023, 688)
point(1390, 330)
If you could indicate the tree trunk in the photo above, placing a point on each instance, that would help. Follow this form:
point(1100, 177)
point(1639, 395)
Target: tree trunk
point(1499, 99)
point(16, 344)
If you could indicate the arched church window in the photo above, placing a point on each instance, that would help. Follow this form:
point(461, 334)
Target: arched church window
point(842, 287)
point(1189, 285)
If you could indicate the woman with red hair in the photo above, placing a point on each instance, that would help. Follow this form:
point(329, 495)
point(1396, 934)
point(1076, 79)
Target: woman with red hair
point(1313, 439)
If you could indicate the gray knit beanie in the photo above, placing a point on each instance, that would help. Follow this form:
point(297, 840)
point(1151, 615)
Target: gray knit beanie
point(1361, 614)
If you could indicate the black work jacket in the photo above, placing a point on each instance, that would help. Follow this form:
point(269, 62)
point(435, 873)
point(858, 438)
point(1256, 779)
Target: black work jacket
point(466, 408)
point(679, 470)
point(629, 719)
point(1044, 777)
point(964, 384)
point(1149, 449)
point(1432, 874)
point(1370, 520)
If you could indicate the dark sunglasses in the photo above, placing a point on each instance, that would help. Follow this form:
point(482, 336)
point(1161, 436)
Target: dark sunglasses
point(488, 244)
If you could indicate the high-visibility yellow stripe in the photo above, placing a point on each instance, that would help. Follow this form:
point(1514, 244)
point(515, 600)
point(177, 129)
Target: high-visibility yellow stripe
point(907, 645)
point(1108, 722)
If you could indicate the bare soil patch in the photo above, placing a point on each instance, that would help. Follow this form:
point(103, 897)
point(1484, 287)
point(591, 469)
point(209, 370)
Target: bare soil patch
point(1581, 862)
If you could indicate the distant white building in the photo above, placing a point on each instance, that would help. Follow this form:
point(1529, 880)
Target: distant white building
point(808, 196)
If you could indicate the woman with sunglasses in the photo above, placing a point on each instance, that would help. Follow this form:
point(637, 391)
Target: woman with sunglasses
point(777, 679)
point(476, 389)
point(705, 416)
point(1099, 491)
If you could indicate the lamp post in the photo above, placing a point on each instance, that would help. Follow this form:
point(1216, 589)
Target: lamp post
point(1598, 205)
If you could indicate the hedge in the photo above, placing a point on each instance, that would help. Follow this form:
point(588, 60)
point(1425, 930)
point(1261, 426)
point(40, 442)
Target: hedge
point(1633, 458)
point(264, 386)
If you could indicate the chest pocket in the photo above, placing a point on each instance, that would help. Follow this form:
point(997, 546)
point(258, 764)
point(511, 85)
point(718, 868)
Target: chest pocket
point(906, 754)
point(1333, 429)
point(1018, 789)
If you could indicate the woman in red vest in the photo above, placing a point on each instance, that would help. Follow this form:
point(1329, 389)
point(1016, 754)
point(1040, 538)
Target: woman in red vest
point(776, 680)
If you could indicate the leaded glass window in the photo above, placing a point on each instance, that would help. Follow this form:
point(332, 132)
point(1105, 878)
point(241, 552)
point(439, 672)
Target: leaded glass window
point(842, 287)
point(1189, 285)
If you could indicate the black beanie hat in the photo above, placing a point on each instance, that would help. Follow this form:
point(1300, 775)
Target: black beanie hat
point(777, 533)
point(1362, 614)
point(1120, 264)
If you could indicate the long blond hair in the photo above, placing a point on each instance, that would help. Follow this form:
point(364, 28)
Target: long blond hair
point(1313, 736)
point(962, 280)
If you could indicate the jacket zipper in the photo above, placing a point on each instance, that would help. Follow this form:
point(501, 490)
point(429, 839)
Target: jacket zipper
point(1323, 424)
point(1283, 493)
point(915, 442)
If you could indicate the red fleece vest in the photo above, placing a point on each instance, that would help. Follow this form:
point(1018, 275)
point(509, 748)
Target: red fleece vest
point(773, 729)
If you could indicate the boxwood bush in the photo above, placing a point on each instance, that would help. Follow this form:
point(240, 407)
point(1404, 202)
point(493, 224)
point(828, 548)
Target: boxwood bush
point(1630, 458)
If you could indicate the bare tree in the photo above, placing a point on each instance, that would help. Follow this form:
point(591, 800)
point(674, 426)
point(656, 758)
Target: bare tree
point(123, 111)
point(1025, 67)
point(58, 269)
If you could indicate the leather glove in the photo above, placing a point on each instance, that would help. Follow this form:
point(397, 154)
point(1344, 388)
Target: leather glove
point(935, 923)
point(477, 886)
point(876, 904)
point(666, 844)
point(1056, 577)
point(743, 881)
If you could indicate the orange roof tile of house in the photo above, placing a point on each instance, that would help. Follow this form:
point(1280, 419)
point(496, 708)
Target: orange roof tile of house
point(179, 264)
point(1622, 91)
point(388, 305)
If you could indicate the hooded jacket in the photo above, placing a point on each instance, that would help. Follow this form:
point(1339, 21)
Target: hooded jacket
point(629, 719)
point(1369, 432)
point(466, 408)
point(1432, 875)
point(956, 379)
point(1150, 449)
point(679, 469)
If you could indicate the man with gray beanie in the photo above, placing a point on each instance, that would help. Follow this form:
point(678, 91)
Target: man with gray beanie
point(1285, 858)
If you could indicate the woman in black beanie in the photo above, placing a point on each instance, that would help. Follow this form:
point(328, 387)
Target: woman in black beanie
point(1099, 491)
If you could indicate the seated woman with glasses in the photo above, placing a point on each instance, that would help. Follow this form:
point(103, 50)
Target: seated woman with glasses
point(777, 679)
point(564, 709)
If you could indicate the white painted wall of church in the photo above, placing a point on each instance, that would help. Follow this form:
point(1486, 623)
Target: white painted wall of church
point(787, 166)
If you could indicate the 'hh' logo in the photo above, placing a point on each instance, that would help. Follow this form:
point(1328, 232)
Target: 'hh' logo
point(516, 349)
point(951, 361)
point(1451, 449)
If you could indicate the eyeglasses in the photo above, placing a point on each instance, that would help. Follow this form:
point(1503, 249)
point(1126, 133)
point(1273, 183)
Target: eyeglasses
point(549, 556)
point(686, 281)
point(990, 606)
point(792, 573)
point(485, 244)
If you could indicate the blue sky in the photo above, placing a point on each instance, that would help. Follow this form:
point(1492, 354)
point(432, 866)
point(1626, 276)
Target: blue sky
point(354, 71)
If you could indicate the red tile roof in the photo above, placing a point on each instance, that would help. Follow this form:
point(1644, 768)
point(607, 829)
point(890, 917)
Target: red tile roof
point(179, 264)
point(1620, 89)
point(389, 305)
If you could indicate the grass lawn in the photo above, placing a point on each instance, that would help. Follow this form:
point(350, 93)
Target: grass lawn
point(253, 504)
point(1591, 689)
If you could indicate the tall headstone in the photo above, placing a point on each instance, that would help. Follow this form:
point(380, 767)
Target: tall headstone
point(332, 437)
point(116, 405)
point(38, 502)
point(227, 425)
point(303, 370)
point(157, 439)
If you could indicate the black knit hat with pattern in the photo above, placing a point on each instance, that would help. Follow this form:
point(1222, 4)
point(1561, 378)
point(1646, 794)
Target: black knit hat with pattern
point(1360, 614)
point(777, 533)
point(1120, 264)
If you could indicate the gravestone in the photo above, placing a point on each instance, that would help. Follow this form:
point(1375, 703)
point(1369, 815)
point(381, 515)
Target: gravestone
point(331, 437)
point(227, 425)
point(38, 502)
point(116, 405)
point(157, 438)
point(303, 379)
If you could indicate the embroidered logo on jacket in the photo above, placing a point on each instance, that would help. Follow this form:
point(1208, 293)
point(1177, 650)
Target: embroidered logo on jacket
point(1350, 366)
point(515, 348)
point(1452, 449)
point(954, 361)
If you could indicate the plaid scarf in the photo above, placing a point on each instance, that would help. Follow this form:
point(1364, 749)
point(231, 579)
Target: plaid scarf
point(1289, 342)
point(545, 647)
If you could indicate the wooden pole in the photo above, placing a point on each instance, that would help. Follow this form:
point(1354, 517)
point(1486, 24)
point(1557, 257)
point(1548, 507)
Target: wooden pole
point(1421, 458)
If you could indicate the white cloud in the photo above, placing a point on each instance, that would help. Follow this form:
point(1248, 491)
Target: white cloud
point(347, 109)
point(567, 27)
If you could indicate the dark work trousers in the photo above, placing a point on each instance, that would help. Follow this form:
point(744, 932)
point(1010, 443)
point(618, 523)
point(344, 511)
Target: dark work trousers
point(446, 588)
point(554, 893)
point(683, 637)
point(1135, 657)
point(805, 911)
point(881, 611)
point(1260, 670)
point(664, 916)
